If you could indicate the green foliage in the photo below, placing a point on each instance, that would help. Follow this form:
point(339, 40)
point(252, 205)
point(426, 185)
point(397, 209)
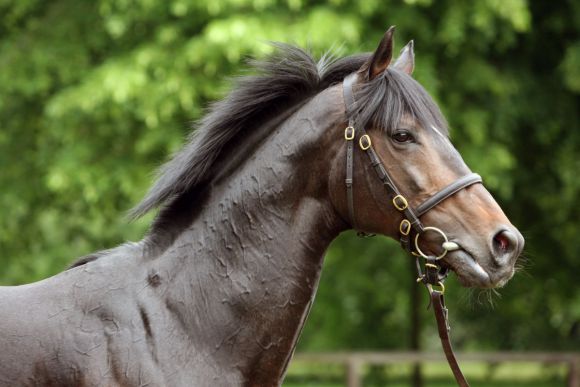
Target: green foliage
point(94, 95)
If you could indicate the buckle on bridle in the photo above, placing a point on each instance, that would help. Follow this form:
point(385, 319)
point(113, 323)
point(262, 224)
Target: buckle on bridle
point(349, 133)
point(405, 227)
point(365, 142)
point(400, 203)
point(433, 275)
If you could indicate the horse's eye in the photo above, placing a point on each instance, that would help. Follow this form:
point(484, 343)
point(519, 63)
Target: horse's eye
point(402, 136)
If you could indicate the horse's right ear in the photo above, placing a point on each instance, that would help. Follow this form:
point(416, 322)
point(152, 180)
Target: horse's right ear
point(381, 58)
point(406, 60)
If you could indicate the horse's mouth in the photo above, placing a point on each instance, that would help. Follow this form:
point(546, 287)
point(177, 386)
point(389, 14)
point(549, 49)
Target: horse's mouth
point(469, 272)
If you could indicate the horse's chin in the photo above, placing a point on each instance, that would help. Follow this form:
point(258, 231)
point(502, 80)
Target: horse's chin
point(473, 275)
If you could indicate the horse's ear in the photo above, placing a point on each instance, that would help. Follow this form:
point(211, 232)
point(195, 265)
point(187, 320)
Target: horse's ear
point(381, 58)
point(406, 60)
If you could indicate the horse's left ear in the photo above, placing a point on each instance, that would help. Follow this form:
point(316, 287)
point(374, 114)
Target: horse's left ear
point(381, 57)
point(406, 60)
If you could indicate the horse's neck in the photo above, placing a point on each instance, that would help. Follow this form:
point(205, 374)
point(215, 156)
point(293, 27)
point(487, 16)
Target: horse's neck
point(242, 275)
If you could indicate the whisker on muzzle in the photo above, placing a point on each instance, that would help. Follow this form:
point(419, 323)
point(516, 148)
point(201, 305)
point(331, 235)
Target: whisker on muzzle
point(523, 264)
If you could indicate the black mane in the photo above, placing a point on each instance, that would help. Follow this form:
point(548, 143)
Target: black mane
point(283, 80)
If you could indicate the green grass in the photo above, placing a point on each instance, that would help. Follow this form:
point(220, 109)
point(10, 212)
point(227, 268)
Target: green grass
point(434, 375)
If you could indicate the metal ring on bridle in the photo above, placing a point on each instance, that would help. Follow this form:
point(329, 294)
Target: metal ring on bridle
point(441, 287)
point(429, 228)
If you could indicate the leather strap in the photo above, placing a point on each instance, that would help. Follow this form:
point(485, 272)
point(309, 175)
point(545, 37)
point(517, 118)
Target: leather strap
point(448, 191)
point(348, 181)
point(349, 103)
point(434, 277)
point(441, 314)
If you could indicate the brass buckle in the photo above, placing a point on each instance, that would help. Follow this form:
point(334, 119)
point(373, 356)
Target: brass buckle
point(405, 227)
point(400, 206)
point(349, 133)
point(368, 142)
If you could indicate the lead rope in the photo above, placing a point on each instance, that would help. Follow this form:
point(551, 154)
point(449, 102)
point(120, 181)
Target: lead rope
point(433, 277)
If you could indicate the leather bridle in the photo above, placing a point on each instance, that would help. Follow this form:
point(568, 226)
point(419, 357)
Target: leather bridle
point(411, 227)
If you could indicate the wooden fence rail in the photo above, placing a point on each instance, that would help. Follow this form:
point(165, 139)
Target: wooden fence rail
point(354, 361)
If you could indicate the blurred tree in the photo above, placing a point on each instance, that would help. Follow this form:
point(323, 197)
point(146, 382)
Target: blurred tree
point(94, 95)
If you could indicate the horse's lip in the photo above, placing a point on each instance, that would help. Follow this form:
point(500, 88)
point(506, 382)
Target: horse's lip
point(468, 270)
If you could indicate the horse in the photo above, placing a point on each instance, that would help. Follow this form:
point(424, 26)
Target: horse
point(218, 290)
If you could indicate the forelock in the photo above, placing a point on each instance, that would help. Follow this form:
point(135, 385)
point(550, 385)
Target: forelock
point(394, 96)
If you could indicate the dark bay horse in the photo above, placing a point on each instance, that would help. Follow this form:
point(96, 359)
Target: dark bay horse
point(217, 293)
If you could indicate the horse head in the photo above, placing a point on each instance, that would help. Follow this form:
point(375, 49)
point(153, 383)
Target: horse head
point(432, 201)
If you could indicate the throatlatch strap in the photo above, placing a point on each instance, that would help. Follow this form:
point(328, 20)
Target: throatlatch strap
point(349, 181)
point(349, 103)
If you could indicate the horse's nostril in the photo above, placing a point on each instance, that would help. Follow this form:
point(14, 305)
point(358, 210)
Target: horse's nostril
point(501, 242)
point(504, 243)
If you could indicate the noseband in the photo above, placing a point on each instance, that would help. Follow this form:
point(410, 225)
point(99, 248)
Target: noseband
point(410, 228)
